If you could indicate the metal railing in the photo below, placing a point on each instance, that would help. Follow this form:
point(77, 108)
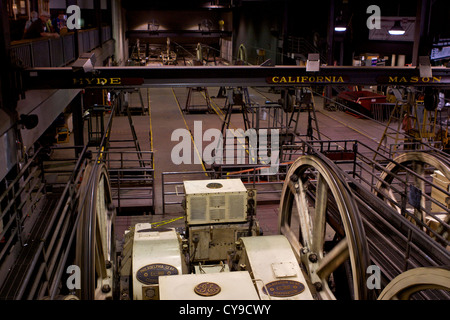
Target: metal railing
point(16, 206)
point(57, 52)
point(256, 176)
point(174, 180)
point(132, 178)
point(31, 274)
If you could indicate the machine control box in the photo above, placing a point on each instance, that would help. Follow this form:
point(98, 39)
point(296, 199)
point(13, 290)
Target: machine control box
point(215, 201)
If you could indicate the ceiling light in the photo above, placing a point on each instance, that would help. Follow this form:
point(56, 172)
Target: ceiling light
point(397, 29)
point(339, 25)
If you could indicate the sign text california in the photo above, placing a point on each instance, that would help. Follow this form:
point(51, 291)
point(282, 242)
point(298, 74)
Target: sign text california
point(306, 79)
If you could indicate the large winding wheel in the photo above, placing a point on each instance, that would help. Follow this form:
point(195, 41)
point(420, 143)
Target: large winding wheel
point(408, 283)
point(392, 185)
point(319, 217)
point(95, 236)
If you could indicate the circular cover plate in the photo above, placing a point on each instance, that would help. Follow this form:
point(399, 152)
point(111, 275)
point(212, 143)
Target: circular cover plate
point(207, 289)
point(214, 185)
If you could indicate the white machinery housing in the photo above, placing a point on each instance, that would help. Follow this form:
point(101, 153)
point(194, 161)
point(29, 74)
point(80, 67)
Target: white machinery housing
point(221, 255)
point(155, 253)
point(274, 268)
point(215, 201)
point(209, 286)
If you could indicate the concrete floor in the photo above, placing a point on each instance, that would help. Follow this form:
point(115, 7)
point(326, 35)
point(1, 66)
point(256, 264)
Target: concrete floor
point(165, 115)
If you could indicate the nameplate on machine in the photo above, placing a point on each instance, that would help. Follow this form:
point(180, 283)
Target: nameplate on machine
point(283, 288)
point(149, 274)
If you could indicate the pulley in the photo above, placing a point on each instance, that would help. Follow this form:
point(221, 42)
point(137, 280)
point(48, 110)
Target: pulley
point(316, 198)
point(431, 99)
point(287, 100)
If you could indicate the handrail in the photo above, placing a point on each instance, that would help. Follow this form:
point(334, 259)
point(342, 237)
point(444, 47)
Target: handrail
point(171, 193)
point(57, 52)
point(15, 220)
point(50, 226)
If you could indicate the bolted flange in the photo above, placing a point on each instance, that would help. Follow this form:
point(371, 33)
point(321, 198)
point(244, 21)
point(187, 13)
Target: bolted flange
point(313, 257)
point(318, 286)
point(106, 288)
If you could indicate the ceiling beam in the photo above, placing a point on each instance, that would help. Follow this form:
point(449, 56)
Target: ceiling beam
point(185, 76)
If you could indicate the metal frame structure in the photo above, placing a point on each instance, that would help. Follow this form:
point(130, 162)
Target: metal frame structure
point(132, 178)
point(203, 93)
point(232, 76)
point(406, 246)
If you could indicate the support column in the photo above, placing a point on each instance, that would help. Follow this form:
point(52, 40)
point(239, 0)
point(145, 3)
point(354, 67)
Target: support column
point(77, 120)
point(421, 41)
point(284, 31)
point(8, 100)
point(118, 31)
point(98, 18)
point(330, 37)
point(330, 40)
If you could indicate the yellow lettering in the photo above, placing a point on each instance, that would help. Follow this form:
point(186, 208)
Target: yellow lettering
point(340, 79)
point(426, 79)
point(393, 79)
point(403, 79)
point(116, 81)
point(102, 81)
point(290, 80)
point(437, 79)
point(77, 81)
point(89, 80)
point(304, 78)
point(327, 79)
point(276, 79)
point(319, 79)
point(414, 79)
point(283, 79)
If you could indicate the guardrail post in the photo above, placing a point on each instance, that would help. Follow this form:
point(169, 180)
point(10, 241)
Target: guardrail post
point(152, 172)
point(355, 151)
point(119, 173)
point(162, 193)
